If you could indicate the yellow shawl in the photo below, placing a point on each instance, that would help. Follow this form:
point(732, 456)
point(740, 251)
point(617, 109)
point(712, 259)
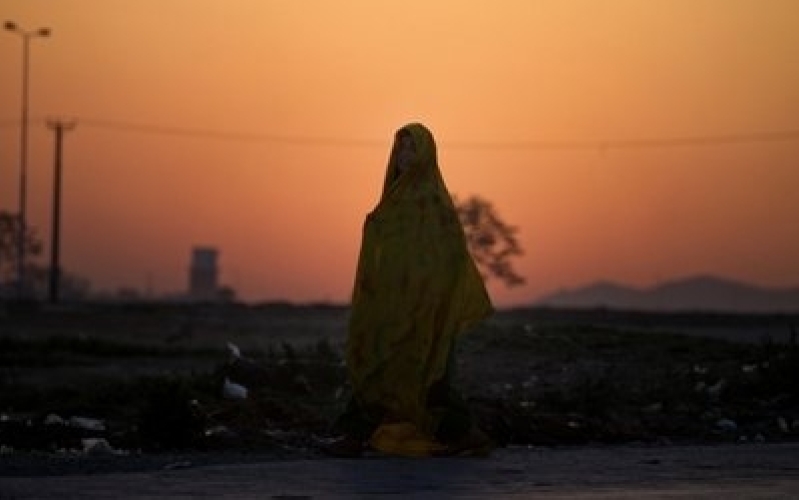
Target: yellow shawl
point(416, 289)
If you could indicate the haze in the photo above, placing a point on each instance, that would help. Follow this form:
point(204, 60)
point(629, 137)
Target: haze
point(262, 128)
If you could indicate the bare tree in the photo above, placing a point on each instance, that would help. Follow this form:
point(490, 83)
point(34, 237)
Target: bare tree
point(36, 275)
point(9, 236)
point(491, 241)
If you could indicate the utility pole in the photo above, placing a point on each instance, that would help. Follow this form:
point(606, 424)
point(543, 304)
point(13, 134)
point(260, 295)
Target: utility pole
point(59, 127)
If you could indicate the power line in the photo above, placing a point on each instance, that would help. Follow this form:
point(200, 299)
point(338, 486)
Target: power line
point(213, 134)
point(662, 142)
point(642, 143)
point(228, 135)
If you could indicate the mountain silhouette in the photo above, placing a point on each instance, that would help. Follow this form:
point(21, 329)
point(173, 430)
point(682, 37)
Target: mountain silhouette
point(697, 293)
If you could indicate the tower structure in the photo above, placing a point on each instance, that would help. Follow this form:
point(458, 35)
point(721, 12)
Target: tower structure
point(203, 274)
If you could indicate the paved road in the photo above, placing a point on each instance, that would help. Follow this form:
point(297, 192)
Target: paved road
point(733, 471)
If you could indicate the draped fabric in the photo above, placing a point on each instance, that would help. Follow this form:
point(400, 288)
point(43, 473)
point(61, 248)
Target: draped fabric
point(416, 289)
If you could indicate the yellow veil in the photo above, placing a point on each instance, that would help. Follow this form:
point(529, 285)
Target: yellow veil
point(416, 288)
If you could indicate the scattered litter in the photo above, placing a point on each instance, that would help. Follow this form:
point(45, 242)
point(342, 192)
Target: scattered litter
point(654, 408)
point(220, 431)
point(281, 435)
point(714, 391)
point(726, 425)
point(232, 390)
point(530, 382)
point(98, 446)
point(339, 393)
point(53, 419)
point(89, 424)
point(235, 352)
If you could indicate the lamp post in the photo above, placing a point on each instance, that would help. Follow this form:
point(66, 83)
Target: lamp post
point(26, 37)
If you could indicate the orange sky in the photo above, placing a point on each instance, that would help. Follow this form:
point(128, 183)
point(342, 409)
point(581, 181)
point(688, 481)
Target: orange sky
point(286, 215)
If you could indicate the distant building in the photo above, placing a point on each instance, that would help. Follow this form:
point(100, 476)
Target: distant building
point(204, 274)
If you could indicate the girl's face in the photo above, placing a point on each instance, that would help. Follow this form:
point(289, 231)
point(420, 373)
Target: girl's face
point(406, 152)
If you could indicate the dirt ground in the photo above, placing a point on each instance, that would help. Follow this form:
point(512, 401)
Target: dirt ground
point(150, 378)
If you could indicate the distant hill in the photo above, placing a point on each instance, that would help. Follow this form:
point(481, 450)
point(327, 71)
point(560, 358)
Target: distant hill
point(698, 293)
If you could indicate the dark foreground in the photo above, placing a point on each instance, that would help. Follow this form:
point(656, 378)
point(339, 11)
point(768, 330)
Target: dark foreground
point(713, 471)
point(154, 378)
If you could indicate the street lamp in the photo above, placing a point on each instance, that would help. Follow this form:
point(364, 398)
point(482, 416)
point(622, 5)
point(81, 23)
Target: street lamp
point(23, 153)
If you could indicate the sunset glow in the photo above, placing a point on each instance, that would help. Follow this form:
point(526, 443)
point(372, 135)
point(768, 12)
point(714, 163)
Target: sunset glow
point(262, 127)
